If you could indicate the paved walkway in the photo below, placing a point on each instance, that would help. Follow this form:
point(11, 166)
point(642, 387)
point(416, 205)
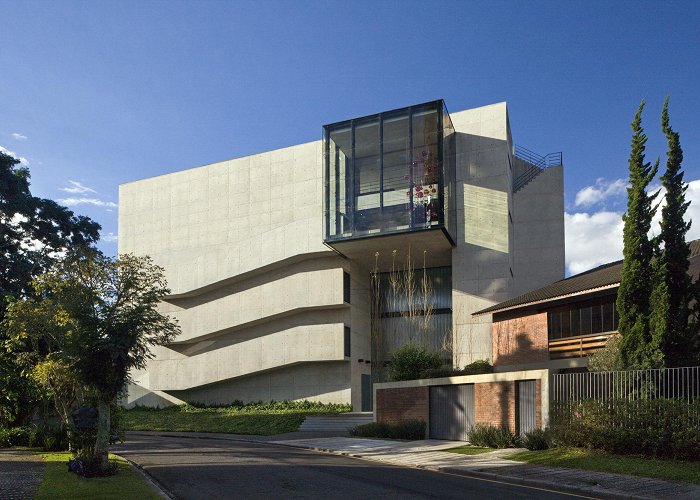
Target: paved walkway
point(21, 473)
point(494, 465)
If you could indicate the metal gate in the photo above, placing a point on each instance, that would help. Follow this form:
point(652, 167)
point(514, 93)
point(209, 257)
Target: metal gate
point(366, 392)
point(451, 411)
point(527, 420)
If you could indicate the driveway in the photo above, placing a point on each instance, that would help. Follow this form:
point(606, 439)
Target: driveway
point(216, 468)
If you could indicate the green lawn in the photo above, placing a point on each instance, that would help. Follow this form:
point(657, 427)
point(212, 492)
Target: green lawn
point(576, 458)
point(470, 450)
point(252, 419)
point(59, 483)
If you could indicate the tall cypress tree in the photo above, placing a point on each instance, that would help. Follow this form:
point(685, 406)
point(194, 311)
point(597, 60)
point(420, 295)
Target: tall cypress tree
point(633, 296)
point(673, 288)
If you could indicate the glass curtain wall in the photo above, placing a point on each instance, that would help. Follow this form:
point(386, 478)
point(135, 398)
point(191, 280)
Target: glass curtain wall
point(415, 307)
point(388, 172)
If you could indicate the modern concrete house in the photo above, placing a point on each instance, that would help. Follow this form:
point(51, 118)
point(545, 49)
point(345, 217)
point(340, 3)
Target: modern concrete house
point(285, 266)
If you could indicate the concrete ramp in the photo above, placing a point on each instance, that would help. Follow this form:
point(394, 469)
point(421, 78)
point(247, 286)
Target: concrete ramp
point(336, 423)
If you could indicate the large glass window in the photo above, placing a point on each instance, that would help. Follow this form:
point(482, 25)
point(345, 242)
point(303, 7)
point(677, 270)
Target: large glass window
point(388, 173)
point(589, 317)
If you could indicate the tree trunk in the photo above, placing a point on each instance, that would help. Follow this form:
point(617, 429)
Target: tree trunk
point(102, 439)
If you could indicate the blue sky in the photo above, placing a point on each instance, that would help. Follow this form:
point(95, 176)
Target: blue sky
point(98, 93)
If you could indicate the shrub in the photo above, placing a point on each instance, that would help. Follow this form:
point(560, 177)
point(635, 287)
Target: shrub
point(538, 439)
point(14, 436)
point(477, 367)
point(410, 362)
point(48, 437)
point(238, 406)
point(491, 436)
point(408, 429)
point(664, 428)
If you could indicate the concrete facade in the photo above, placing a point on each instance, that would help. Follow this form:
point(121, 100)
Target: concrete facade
point(259, 296)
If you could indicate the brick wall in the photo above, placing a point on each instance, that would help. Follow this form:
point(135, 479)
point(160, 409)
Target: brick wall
point(494, 404)
point(408, 403)
point(520, 339)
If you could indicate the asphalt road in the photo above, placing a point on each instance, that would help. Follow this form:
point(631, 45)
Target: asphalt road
point(213, 468)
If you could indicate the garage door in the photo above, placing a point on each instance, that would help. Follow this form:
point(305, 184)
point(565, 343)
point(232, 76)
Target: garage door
point(451, 411)
point(526, 406)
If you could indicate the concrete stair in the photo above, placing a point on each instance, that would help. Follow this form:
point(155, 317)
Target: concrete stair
point(336, 423)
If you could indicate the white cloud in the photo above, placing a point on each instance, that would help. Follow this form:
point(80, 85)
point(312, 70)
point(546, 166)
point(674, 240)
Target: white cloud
point(595, 238)
point(21, 159)
point(592, 239)
point(601, 191)
point(109, 237)
point(75, 187)
point(18, 136)
point(73, 202)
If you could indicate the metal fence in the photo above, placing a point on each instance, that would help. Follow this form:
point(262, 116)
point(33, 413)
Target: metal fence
point(627, 399)
point(676, 383)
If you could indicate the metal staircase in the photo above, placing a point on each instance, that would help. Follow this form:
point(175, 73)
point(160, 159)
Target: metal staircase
point(536, 165)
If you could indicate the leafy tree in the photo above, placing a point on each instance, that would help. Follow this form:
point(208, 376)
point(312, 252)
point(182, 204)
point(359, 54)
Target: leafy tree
point(672, 338)
point(60, 382)
point(638, 251)
point(33, 231)
point(100, 315)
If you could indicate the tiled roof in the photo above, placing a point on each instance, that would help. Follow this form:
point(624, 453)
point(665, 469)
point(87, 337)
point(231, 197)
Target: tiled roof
point(599, 277)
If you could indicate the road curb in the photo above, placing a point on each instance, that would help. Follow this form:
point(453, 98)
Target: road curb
point(489, 476)
point(162, 490)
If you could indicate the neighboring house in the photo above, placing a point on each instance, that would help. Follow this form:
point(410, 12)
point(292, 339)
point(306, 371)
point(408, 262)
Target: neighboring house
point(269, 256)
point(558, 326)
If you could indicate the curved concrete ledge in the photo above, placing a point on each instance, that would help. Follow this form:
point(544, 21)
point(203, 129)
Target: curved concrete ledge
point(301, 344)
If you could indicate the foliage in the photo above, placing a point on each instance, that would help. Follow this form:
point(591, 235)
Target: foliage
point(99, 316)
point(46, 437)
point(673, 338)
point(238, 418)
point(238, 406)
point(410, 430)
point(126, 484)
point(14, 436)
point(61, 384)
point(33, 232)
point(652, 427)
point(491, 436)
point(577, 458)
point(410, 362)
point(476, 368)
point(608, 358)
point(537, 439)
point(636, 275)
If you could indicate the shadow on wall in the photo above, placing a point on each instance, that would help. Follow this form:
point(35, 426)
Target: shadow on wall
point(520, 340)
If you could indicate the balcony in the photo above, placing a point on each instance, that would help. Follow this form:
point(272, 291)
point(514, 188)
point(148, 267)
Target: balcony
point(390, 173)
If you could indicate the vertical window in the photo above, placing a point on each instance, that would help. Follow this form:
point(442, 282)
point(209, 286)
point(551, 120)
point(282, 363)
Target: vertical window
point(597, 318)
point(608, 320)
point(346, 342)
point(586, 320)
point(565, 323)
point(575, 322)
point(346, 287)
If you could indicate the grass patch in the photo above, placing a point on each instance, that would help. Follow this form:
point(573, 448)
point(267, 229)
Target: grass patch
point(470, 450)
point(264, 419)
point(59, 483)
point(578, 458)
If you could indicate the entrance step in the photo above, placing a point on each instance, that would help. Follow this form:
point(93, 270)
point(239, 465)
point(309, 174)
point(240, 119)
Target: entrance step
point(336, 423)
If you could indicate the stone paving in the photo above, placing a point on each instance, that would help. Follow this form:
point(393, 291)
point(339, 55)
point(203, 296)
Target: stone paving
point(21, 473)
point(494, 465)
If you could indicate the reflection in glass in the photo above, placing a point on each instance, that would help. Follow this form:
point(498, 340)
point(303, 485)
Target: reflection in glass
point(388, 172)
